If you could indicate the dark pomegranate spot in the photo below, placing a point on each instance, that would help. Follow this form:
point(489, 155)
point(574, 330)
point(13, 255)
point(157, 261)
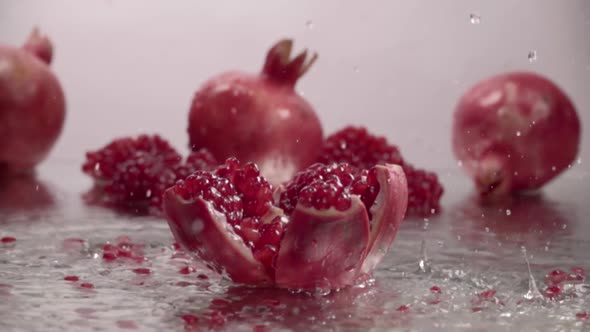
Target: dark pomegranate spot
point(87, 285)
point(127, 324)
point(190, 319)
point(71, 278)
point(578, 274)
point(142, 270)
point(215, 318)
point(434, 302)
point(183, 284)
point(487, 295)
point(186, 270)
point(552, 291)
point(8, 239)
point(202, 277)
point(583, 315)
point(363, 150)
point(124, 249)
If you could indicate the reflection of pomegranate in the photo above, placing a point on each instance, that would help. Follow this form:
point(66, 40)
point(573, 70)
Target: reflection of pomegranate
point(515, 132)
point(23, 193)
point(523, 220)
point(32, 105)
point(327, 228)
point(259, 118)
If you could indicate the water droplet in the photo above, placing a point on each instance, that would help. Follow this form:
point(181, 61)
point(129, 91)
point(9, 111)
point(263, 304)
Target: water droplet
point(459, 237)
point(532, 56)
point(460, 163)
point(508, 212)
point(564, 226)
point(518, 133)
point(579, 161)
point(487, 229)
point(309, 24)
point(233, 111)
point(474, 18)
point(432, 211)
point(533, 291)
point(553, 168)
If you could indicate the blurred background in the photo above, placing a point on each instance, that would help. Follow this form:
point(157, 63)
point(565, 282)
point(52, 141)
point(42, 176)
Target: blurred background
point(397, 67)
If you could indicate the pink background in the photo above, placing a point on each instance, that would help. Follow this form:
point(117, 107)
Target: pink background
point(398, 67)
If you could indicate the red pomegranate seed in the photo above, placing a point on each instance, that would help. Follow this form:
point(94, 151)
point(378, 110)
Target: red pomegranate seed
point(434, 302)
point(186, 270)
point(71, 278)
point(183, 284)
point(583, 315)
point(552, 291)
point(487, 295)
point(190, 319)
point(142, 270)
point(202, 276)
point(403, 308)
point(7, 239)
point(436, 290)
point(108, 256)
point(556, 277)
point(86, 285)
point(127, 324)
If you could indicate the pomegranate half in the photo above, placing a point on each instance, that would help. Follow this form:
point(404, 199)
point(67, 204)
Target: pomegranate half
point(327, 228)
point(259, 117)
point(515, 132)
point(32, 105)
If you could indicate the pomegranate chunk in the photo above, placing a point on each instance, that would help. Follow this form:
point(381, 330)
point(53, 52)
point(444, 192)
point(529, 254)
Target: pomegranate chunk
point(326, 228)
point(132, 173)
point(363, 150)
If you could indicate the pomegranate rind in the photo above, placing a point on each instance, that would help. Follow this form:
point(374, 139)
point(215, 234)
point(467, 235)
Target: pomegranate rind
point(388, 211)
point(201, 229)
point(323, 249)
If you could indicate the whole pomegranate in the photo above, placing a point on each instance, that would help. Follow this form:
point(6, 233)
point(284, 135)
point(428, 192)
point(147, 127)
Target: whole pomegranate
point(327, 228)
point(32, 105)
point(515, 132)
point(259, 117)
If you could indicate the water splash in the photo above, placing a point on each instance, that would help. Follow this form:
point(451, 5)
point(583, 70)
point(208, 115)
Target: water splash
point(474, 18)
point(424, 263)
point(533, 291)
point(532, 56)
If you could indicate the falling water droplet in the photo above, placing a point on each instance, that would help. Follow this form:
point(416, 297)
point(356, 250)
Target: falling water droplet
point(532, 56)
point(533, 291)
point(518, 133)
point(460, 163)
point(309, 24)
point(553, 168)
point(508, 212)
point(474, 18)
point(423, 264)
point(579, 161)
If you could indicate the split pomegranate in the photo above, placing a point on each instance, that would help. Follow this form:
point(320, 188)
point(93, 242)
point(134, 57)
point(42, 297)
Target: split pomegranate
point(362, 150)
point(326, 228)
point(134, 172)
point(32, 105)
point(515, 132)
point(259, 117)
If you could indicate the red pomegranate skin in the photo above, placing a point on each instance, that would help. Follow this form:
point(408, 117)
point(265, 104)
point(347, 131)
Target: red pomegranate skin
point(515, 132)
point(32, 105)
point(259, 117)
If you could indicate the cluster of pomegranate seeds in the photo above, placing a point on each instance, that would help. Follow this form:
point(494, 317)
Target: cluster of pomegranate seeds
point(8, 239)
point(557, 281)
point(363, 150)
point(319, 186)
point(123, 249)
point(134, 172)
point(244, 197)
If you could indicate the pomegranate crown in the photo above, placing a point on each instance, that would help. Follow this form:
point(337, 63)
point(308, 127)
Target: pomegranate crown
point(39, 45)
point(281, 67)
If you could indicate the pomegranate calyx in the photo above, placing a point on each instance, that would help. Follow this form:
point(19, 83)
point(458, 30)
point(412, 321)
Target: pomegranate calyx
point(280, 67)
point(39, 45)
point(492, 178)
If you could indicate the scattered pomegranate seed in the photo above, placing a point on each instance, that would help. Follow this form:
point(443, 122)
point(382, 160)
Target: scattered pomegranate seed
point(578, 274)
point(202, 276)
point(190, 319)
point(216, 319)
point(436, 290)
point(141, 270)
point(487, 295)
point(552, 291)
point(71, 278)
point(7, 239)
point(583, 315)
point(476, 309)
point(176, 246)
point(434, 302)
point(86, 285)
point(555, 277)
point(127, 324)
point(183, 284)
point(108, 256)
point(186, 270)
point(403, 308)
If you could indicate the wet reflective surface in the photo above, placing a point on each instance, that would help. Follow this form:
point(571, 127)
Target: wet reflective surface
point(463, 270)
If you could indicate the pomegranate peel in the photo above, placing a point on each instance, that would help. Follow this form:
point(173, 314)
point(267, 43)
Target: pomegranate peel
point(319, 243)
